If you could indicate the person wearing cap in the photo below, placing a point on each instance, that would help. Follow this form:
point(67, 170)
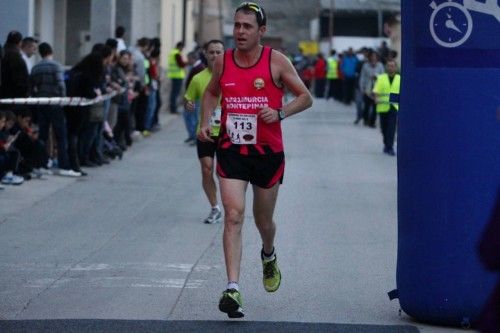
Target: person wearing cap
point(250, 80)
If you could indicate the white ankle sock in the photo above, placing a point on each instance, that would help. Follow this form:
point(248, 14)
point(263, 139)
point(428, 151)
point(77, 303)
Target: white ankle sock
point(271, 257)
point(233, 285)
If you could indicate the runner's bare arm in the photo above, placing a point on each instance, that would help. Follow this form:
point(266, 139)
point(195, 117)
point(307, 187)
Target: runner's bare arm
point(283, 72)
point(210, 99)
point(290, 79)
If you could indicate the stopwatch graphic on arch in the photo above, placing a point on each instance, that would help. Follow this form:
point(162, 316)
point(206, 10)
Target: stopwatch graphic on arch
point(451, 23)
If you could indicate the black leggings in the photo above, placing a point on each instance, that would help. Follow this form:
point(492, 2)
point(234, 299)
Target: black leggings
point(33, 152)
point(122, 127)
point(9, 161)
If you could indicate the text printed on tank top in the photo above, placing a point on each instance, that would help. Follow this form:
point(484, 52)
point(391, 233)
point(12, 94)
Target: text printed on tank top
point(246, 103)
point(242, 128)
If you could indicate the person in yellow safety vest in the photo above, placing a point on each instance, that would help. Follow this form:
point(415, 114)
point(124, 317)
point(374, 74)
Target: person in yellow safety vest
point(387, 84)
point(176, 73)
point(332, 75)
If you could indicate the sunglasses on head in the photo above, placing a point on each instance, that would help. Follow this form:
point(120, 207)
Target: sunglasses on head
point(253, 6)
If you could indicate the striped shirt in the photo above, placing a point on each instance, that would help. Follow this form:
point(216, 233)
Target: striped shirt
point(47, 80)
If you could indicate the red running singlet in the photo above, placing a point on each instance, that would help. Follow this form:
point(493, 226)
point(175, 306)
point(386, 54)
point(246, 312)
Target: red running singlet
point(245, 91)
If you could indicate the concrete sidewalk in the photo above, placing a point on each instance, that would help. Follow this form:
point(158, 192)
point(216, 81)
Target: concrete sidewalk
point(127, 241)
point(18, 198)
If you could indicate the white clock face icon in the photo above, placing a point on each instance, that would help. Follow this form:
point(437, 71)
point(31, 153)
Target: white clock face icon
point(450, 24)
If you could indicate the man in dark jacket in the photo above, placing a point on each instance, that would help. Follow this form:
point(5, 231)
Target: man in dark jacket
point(14, 73)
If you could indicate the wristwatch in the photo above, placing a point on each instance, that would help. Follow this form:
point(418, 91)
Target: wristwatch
point(281, 114)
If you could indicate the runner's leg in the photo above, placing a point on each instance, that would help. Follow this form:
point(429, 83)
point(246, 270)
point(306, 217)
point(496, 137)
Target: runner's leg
point(233, 200)
point(208, 181)
point(263, 209)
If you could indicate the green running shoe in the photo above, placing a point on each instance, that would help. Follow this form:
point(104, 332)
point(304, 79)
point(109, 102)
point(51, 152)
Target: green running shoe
point(272, 274)
point(231, 303)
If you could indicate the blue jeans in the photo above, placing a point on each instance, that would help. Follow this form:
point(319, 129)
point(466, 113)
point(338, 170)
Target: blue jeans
point(106, 105)
point(150, 113)
point(191, 121)
point(174, 93)
point(98, 143)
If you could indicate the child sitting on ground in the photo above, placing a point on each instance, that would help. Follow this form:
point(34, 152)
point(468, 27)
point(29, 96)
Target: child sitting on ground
point(9, 157)
point(34, 156)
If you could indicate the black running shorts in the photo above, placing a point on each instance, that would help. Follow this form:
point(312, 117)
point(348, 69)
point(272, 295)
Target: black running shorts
point(261, 170)
point(206, 149)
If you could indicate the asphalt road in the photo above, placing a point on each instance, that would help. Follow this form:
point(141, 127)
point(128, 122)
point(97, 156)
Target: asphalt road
point(126, 246)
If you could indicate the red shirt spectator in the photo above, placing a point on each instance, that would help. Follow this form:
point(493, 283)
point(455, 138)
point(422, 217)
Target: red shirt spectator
point(308, 76)
point(320, 68)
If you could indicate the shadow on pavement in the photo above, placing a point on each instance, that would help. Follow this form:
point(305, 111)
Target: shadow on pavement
point(151, 326)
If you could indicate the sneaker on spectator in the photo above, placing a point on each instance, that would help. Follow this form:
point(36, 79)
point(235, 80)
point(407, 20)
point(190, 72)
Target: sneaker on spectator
point(52, 163)
point(69, 173)
point(156, 128)
point(136, 135)
point(82, 172)
point(11, 179)
point(36, 173)
point(146, 133)
point(45, 171)
point(40, 172)
point(88, 163)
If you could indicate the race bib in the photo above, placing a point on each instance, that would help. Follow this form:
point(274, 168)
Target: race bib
point(242, 128)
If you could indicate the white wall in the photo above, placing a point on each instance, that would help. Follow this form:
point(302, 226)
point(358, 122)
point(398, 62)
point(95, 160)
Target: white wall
point(171, 26)
point(31, 18)
point(45, 17)
point(102, 20)
point(146, 17)
point(341, 44)
point(16, 15)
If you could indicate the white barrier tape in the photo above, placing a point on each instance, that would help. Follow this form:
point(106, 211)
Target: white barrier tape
point(61, 101)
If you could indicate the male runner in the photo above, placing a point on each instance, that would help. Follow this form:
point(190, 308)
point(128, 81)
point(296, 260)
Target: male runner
point(251, 80)
point(206, 150)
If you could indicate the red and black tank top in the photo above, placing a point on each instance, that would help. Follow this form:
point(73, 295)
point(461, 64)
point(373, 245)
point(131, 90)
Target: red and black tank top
point(245, 91)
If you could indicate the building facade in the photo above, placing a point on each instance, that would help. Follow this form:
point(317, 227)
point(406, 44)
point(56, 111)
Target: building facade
point(73, 26)
point(358, 23)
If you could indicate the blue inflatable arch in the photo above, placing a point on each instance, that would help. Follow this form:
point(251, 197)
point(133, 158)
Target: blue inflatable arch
point(448, 155)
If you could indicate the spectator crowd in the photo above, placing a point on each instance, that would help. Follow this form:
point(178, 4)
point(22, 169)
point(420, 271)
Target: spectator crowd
point(347, 76)
point(350, 77)
point(66, 140)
